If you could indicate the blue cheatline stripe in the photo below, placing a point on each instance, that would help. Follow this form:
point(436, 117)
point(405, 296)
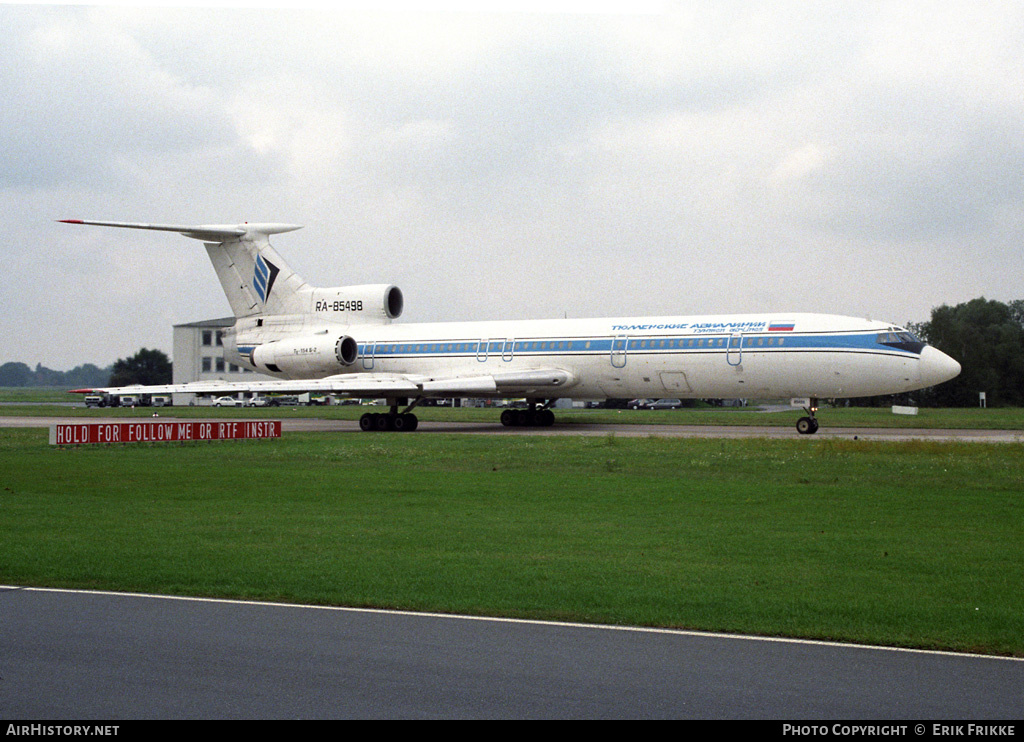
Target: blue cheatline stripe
point(638, 345)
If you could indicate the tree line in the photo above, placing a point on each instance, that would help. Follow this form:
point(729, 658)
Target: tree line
point(987, 338)
point(20, 374)
point(145, 367)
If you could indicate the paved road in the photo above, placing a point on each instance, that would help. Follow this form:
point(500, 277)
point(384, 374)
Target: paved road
point(80, 655)
point(600, 429)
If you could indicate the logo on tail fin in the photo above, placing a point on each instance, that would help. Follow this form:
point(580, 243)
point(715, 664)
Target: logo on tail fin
point(263, 277)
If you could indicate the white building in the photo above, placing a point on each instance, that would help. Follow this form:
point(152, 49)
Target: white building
point(199, 355)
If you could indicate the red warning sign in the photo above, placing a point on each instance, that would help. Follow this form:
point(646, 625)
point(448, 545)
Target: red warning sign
point(148, 431)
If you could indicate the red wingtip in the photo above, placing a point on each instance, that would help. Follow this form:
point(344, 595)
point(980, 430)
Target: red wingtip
point(79, 391)
point(71, 221)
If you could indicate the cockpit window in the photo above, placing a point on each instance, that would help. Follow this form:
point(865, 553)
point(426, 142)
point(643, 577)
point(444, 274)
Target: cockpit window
point(902, 339)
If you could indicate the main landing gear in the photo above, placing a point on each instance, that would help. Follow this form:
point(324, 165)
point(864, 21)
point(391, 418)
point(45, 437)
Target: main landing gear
point(534, 417)
point(808, 425)
point(399, 422)
point(537, 416)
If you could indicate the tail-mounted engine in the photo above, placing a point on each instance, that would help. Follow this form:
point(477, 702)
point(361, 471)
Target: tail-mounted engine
point(375, 303)
point(313, 355)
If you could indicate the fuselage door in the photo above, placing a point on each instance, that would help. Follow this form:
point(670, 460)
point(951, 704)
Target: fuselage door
point(620, 344)
point(368, 351)
point(734, 350)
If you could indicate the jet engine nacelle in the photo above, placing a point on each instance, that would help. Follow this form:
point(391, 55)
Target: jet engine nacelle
point(354, 304)
point(313, 355)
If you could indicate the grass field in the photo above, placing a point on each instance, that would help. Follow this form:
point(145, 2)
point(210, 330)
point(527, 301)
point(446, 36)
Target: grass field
point(910, 544)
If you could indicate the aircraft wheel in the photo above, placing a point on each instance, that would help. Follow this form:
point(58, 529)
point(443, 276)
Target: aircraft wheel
point(406, 422)
point(547, 418)
point(366, 422)
point(806, 426)
point(508, 419)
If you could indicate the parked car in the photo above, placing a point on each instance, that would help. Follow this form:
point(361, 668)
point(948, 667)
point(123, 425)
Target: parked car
point(639, 404)
point(226, 402)
point(665, 404)
point(257, 402)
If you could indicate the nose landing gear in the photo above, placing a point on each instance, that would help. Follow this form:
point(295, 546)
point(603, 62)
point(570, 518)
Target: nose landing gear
point(808, 425)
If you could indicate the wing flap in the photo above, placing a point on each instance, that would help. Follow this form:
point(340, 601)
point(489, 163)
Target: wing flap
point(369, 385)
point(351, 384)
point(543, 378)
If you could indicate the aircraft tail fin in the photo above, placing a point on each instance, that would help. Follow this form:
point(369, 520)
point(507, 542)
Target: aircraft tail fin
point(253, 275)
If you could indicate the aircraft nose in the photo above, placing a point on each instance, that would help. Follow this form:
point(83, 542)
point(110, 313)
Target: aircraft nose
point(936, 367)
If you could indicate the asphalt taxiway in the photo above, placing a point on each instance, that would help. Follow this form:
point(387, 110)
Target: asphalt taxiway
point(92, 655)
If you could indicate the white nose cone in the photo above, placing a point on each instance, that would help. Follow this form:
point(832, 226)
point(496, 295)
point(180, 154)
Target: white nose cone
point(936, 367)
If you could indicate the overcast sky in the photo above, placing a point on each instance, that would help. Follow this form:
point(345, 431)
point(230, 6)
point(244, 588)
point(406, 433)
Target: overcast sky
point(702, 157)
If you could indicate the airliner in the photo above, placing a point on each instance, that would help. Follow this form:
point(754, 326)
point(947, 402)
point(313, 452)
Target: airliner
point(344, 341)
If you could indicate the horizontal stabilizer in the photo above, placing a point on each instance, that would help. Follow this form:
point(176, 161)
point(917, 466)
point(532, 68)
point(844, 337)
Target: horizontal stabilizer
point(205, 232)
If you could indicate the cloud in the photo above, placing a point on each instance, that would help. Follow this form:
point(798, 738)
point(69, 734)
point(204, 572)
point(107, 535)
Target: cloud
point(89, 101)
point(728, 156)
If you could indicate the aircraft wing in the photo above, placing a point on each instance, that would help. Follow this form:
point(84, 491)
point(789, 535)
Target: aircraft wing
point(539, 381)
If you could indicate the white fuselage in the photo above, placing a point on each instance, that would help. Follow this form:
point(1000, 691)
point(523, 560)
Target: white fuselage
point(723, 356)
